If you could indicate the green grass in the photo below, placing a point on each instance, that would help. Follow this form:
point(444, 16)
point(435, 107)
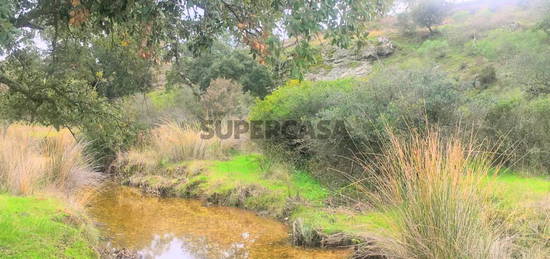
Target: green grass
point(521, 190)
point(40, 228)
point(331, 222)
point(250, 169)
point(162, 98)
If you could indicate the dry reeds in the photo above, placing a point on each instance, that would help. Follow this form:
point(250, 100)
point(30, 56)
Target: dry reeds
point(171, 142)
point(437, 192)
point(34, 159)
point(176, 143)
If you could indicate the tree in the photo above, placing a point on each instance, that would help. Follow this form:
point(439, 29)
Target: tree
point(428, 13)
point(224, 62)
point(76, 77)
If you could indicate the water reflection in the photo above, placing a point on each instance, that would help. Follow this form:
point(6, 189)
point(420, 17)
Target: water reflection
point(178, 228)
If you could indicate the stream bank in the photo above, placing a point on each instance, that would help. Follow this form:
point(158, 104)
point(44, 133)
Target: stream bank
point(245, 181)
point(154, 227)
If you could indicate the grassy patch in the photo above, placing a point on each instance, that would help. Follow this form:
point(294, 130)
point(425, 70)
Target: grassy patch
point(333, 221)
point(40, 228)
point(521, 190)
point(162, 99)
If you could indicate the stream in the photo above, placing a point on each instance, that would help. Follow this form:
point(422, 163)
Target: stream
point(182, 228)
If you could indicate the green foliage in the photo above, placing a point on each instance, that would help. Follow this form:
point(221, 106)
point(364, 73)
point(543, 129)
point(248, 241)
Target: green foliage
point(118, 69)
point(392, 98)
point(502, 44)
point(41, 228)
point(434, 48)
point(530, 70)
point(222, 62)
point(298, 100)
point(103, 50)
point(487, 75)
point(519, 125)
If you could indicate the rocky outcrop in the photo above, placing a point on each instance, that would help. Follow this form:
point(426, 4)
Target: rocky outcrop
point(339, 63)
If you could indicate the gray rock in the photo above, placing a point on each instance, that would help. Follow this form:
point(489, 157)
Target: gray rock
point(340, 63)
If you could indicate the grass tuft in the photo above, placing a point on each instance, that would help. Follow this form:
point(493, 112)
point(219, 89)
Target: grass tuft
point(34, 159)
point(436, 189)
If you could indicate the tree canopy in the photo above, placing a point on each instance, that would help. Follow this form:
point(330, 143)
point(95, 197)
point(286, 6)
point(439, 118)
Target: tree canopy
point(99, 50)
point(428, 13)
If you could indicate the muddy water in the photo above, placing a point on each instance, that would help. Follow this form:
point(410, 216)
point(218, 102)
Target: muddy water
point(179, 228)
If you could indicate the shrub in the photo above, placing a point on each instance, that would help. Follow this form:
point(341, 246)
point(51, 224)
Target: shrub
point(171, 142)
point(487, 75)
point(519, 126)
point(177, 143)
point(398, 99)
point(530, 70)
point(148, 110)
point(222, 62)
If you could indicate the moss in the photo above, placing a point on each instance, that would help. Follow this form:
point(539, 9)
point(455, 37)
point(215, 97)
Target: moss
point(41, 228)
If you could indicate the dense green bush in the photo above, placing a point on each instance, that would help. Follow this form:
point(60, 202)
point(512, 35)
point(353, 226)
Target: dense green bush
point(530, 70)
point(487, 75)
point(519, 128)
point(400, 100)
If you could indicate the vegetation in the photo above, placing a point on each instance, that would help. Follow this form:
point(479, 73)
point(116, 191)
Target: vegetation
point(33, 159)
point(437, 194)
point(41, 161)
point(222, 62)
point(428, 13)
point(437, 150)
point(42, 228)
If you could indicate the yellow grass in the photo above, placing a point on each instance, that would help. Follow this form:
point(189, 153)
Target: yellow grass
point(434, 188)
point(35, 159)
point(173, 143)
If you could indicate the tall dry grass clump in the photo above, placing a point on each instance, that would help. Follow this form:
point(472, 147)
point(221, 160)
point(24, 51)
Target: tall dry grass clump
point(34, 159)
point(171, 142)
point(176, 142)
point(437, 191)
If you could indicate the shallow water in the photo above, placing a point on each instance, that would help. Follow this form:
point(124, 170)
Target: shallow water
point(181, 228)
